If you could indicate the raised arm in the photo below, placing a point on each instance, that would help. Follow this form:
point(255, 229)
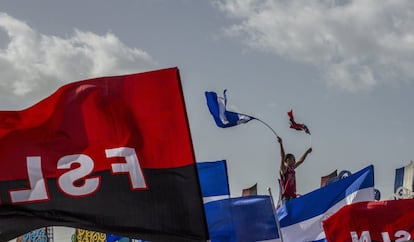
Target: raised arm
point(303, 157)
point(282, 156)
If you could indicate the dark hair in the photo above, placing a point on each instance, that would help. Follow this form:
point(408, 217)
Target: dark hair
point(289, 155)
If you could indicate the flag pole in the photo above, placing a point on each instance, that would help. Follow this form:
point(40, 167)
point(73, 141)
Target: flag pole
point(310, 140)
point(273, 131)
point(279, 231)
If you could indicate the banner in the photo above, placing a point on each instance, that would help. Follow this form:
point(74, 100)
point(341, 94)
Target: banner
point(372, 221)
point(301, 218)
point(111, 154)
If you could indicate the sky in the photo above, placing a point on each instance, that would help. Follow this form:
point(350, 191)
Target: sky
point(343, 66)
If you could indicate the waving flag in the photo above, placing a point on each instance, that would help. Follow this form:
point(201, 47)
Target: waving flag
point(241, 219)
point(223, 117)
point(372, 221)
point(111, 154)
point(213, 180)
point(297, 126)
point(301, 218)
point(404, 181)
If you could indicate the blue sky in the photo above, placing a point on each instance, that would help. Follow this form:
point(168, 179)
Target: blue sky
point(343, 66)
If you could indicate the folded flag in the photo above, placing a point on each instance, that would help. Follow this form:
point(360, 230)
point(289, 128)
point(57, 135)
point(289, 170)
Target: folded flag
point(297, 126)
point(213, 180)
point(301, 218)
point(223, 117)
point(372, 221)
point(111, 154)
point(241, 219)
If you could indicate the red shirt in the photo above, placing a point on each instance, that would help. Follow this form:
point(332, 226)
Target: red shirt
point(289, 183)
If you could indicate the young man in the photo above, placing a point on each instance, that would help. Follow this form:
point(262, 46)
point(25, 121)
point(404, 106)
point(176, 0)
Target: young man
point(288, 164)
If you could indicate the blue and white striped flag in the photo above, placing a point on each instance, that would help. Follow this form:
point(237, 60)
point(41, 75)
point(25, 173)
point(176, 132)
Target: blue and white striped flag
point(223, 117)
point(404, 177)
point(213, 180)
point(301, 218)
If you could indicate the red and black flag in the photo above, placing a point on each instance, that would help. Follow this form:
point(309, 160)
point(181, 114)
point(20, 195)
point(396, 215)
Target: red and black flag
point(111, 154)
point(297, 126)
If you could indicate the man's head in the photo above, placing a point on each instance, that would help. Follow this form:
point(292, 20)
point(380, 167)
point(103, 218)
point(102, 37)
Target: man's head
point(290, 159)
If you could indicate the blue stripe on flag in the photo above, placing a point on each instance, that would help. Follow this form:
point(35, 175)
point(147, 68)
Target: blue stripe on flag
point(300, 218)
point(241, 219)
point(223, 117)
point(399, 178)
point(213, 178)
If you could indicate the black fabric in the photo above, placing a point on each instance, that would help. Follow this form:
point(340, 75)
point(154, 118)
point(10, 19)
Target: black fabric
point(171, 210)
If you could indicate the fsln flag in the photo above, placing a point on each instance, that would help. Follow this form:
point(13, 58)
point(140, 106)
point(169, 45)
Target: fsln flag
point(404, 177)
point(301, 218)
point(297, 126)
point(213, 180)
point(223, 117)
point(390, 220)
point(111, 154)
point(241, 219)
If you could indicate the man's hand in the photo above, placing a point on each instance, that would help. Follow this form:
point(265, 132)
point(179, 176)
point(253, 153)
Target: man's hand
point(279, 139)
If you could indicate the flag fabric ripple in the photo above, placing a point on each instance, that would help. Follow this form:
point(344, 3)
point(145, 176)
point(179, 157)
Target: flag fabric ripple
point(301, 218)
point(223, 117)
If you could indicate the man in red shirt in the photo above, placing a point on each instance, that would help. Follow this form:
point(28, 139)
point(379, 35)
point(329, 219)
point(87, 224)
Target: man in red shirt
point(288, 164)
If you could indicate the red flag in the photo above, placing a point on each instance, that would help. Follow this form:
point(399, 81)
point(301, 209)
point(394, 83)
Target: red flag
point(325, 179)
point(111, 154)
point(251, 191)
point(372, 221)
point(297, 126)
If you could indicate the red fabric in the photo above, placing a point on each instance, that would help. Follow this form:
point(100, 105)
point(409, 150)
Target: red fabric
point(297, 126)
point(289, 183)
point(372, 221)
point(144, 111)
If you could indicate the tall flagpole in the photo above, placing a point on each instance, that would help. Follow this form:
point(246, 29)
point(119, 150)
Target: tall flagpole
point(273, 131)
point(279, 231)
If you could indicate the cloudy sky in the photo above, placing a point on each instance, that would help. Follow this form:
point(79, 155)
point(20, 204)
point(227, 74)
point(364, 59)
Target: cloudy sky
point(343, 66)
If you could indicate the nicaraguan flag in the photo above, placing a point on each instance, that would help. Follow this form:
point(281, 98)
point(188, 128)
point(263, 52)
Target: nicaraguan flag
point(404, 177)
point(223, 117)
point(301, 218)
point(241, 219)
point(213, 180)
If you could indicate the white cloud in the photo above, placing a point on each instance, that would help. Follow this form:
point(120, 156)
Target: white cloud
point(31, 62)
point(357, 44)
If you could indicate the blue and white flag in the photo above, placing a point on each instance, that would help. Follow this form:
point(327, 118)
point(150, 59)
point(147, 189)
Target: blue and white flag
point(301, 218)
point(213, 180)
point(223, 117)
point(241, 219)
point(404, 177)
